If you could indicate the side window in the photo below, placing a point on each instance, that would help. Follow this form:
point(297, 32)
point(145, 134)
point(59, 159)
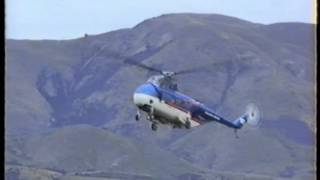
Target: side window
point(167, 97)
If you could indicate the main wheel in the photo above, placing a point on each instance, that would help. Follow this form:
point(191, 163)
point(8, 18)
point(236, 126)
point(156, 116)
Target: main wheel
point(154, 126)
point(137, 117)
point(188, 124)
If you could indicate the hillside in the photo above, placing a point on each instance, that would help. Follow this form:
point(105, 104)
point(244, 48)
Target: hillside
point(52, 86)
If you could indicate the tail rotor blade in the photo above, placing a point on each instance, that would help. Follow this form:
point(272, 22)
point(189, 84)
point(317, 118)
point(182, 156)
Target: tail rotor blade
point(253, 115)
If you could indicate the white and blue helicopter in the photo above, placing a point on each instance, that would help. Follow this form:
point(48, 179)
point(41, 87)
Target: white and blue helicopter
point(162, 103)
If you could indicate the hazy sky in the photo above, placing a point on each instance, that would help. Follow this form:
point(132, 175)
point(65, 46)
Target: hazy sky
point(66, 19)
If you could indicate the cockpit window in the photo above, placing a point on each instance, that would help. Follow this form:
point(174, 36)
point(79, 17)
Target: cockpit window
point(164, 82)
point(155, 80)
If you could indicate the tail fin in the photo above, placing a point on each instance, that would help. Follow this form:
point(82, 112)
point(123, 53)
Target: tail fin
point(251, 116)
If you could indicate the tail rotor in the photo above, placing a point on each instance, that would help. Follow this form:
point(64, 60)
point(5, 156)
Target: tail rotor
point(253, 115)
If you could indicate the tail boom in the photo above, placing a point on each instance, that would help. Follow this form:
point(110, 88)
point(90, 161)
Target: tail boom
point(251, 116)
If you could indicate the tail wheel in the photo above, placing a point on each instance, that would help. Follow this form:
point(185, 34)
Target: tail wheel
point(154, 126)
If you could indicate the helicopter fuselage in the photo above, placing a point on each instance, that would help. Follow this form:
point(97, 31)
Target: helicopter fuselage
point(163, 105)
point(167, 106)
point(160, 99)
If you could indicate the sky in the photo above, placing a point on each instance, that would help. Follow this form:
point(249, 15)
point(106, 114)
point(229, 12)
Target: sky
point(68, 19)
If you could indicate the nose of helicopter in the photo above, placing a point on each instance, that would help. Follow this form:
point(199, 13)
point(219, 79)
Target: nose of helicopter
point(139, 99)
point(144, 94)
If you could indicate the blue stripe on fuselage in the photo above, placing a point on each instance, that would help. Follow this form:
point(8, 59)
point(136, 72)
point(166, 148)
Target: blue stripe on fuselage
point(148, 89)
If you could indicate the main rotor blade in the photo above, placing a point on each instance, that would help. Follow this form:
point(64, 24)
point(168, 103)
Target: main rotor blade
point(200, 68)
point(139, 64)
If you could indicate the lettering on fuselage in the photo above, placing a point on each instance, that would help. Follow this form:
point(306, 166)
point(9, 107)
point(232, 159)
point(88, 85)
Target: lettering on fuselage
point(212, 115)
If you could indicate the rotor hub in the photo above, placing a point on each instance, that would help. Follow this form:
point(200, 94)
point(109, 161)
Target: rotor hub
point(168, 73)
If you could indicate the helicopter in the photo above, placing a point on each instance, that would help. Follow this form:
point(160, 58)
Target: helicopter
point(161, 101)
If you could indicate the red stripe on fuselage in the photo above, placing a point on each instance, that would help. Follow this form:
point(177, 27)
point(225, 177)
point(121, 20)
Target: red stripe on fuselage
point(177, 107)
point(196, 120)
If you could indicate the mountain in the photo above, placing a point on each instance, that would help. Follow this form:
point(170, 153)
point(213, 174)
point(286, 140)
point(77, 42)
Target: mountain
point(90, 152)
point(53, 86)
point(82, 148)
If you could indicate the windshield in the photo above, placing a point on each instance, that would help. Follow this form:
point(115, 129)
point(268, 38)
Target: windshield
point(155, 80)
point(164, 82)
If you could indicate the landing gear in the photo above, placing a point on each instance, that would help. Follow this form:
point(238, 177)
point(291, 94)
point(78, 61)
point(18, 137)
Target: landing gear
point(150, 115)
point(154, 126)
point(188, 124)
point(137, 117)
